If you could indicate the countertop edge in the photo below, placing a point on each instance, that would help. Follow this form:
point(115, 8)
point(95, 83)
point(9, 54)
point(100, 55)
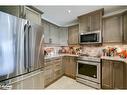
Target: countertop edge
point(114, 58)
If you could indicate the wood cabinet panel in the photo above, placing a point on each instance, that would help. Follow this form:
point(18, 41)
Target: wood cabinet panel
point(112, 29)
point(73, 34)
point(46, 31)
point(53, 70)
point(33, 16)
point(96, 21)
point(84, 24)
point(63, 36)
point(48, 75)
point(55, 35)
point(113, 76)
point(118, 75)
point(70, 66)
point(91, 21)
point(125, 76)
point(125, 28)
point(107, 74)
point(13, 10)
point(23, 12)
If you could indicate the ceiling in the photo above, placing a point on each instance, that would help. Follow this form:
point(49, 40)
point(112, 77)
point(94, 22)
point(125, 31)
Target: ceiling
point(67, 15)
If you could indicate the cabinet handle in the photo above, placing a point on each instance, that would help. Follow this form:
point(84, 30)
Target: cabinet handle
point(50, 40)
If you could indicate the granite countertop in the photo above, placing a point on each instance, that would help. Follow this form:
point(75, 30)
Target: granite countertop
point(115, 58)
point(60, 55)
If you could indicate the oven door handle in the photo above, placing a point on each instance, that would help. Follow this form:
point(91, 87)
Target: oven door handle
point(91, 63)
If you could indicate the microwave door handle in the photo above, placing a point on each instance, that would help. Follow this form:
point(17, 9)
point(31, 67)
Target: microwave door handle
point(98, 38)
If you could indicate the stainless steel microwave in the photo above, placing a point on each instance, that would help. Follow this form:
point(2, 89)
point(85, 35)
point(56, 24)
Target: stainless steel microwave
point(90, 37)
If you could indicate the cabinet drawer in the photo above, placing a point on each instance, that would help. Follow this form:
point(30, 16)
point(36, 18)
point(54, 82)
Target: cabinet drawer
point(47, 63)
point(57, 66)
point(48, 67)
point(58, 73)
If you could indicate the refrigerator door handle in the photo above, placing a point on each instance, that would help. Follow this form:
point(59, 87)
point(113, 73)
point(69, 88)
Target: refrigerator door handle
point(29, 65)
point(29, 27)
point(25, 46)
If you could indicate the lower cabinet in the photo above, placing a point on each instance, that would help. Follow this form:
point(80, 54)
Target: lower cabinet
point(107, 74)
point(70, 66)
point(33, 81)
point(113, 74)
point(48, 75)
point(53, 70)
point(125, 81)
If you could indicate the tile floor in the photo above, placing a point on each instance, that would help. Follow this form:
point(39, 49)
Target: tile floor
point(68, 83)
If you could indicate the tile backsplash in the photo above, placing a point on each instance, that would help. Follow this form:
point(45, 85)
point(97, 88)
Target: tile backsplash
point(84, 49)
point(98, 50)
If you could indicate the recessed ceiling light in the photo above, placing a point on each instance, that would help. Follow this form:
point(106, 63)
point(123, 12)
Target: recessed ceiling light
point(69, 11)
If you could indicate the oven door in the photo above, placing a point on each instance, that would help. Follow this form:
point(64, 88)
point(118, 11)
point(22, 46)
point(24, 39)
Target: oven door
point(89, 70)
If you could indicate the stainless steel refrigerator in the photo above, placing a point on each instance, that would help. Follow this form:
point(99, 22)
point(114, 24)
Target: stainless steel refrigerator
point(21, 46)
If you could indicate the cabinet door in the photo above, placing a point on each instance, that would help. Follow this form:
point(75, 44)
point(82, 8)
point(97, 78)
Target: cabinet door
point(125, 76)
point(66, 65)
point(95, 21)
point(84, 24)
point(70, 66)
point(38, 80)
point(118, 75)
point(112, 29)
point(48, 75)
point(54, 34)
point(46, 31)
point(13, 10)
point(73, 67)
point(63, 37)
point(33, 16)
point(125, 27)
point(73, 34)
point(107, 74)
point(57, 34)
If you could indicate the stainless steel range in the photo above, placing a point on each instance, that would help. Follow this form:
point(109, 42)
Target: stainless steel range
point(88, 71)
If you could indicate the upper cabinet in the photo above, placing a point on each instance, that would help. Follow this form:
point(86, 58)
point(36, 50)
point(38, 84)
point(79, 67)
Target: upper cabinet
point(115, 28)
point(125, 28)
point(32, 15)
point(112, 29)
point(73, 33)
point(84, 24)
point(54, 34)
point(91, 21)
point(96, 20)
point(63, 36)
point(26, 12)
point(46, 26)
